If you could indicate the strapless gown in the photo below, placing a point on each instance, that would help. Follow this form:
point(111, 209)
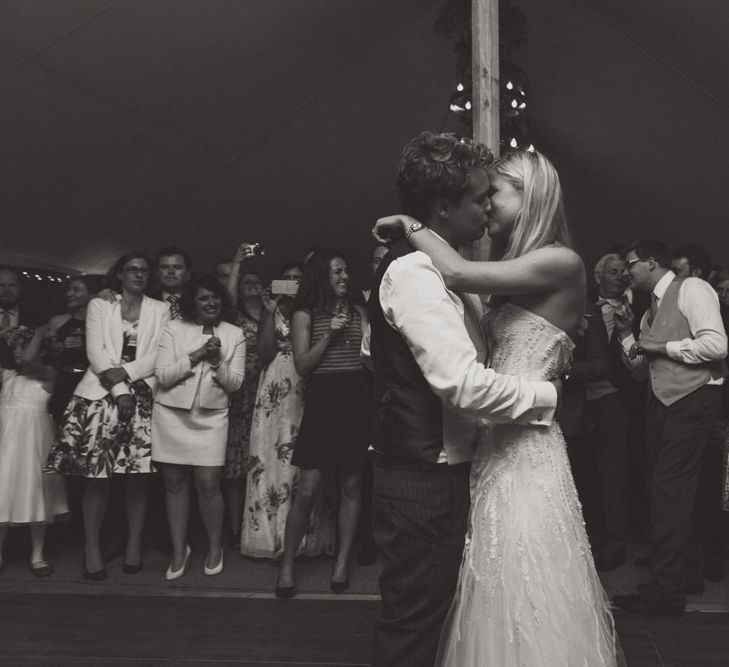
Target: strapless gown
point(528, 592)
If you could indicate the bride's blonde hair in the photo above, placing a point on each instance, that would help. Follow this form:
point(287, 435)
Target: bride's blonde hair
point(541, 220)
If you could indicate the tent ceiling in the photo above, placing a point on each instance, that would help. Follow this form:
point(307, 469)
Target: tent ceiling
point(204, 123)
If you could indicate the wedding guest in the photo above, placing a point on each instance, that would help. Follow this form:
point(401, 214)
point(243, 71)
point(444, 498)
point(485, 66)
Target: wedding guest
point(174, 269)
point(12, 312)
point(222, 271)
point(246, 293)
point(271, 479)
point(608, 411)
point(67, 337)
point(106, 430)
point(368, 550)
point(200, 361)
point(327, 329)
point(720, 281)
point(378, 252)
point(682, 347)
point(27, 496)
point(691, 260)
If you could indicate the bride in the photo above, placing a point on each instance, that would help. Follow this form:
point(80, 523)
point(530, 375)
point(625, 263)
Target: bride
point(528, 592)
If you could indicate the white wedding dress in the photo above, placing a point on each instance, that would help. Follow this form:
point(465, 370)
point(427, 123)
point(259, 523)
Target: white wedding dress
point(528, 591)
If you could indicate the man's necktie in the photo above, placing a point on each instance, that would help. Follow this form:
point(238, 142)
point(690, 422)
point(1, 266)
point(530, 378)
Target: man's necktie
point(5, 320)
point(174, 302)
point(654, 308)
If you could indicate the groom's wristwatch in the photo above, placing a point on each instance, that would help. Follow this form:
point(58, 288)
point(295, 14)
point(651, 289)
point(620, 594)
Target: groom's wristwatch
point(415, 227)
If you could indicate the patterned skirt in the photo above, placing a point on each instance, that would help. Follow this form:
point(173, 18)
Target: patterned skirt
point(92, 442)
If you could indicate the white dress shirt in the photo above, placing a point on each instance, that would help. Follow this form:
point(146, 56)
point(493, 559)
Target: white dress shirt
point(699, 304)
point(416, 303)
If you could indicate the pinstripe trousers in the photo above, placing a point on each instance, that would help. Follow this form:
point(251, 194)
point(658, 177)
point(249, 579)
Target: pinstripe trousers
point(420, 516)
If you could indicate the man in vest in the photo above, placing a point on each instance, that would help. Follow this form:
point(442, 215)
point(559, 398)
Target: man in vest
point(431, 388)
point(682, 347)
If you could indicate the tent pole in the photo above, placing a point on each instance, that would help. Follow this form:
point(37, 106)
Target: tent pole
point(485, 86)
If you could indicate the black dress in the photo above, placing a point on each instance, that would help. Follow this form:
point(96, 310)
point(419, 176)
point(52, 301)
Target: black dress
point(70, 362)
point(334, 431)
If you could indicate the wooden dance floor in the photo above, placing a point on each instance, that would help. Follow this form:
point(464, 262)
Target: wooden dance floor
point(234, 618)
point(79, 629)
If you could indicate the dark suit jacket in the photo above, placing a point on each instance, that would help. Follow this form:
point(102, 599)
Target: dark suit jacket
point(591, 363)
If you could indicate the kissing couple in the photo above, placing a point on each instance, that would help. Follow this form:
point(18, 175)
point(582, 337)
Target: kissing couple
point(465, 418)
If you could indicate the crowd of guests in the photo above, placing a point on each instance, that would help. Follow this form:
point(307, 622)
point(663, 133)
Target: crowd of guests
point(253, 405)
point(653, 470)
point(161, 392)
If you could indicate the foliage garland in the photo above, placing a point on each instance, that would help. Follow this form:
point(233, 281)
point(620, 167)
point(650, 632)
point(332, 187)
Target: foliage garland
point(454, 23)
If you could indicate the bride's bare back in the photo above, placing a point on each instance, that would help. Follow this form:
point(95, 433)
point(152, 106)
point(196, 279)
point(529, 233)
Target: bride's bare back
point(562, 300)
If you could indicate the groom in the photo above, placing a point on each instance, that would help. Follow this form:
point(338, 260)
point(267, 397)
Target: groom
point(431, 388)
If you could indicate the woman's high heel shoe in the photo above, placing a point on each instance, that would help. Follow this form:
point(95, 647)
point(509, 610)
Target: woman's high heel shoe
point(96, 575)
point(339, 586)
point(171, 574)
point(217, 569)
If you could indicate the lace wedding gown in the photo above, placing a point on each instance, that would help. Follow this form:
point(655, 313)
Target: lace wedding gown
point(528, 590)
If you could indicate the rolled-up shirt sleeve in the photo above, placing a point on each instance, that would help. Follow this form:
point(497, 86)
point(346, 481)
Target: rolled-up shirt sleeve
point(417, 304)
point(699, 304)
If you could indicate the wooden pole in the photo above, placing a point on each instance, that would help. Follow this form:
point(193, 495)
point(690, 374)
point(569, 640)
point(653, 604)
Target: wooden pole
point(485, 86)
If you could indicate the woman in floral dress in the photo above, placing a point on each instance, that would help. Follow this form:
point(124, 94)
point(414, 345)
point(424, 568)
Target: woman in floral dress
point(245, 290)
point(106, 427)
point(271, 481)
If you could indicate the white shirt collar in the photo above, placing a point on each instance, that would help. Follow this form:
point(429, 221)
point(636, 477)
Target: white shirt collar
point(662, 285)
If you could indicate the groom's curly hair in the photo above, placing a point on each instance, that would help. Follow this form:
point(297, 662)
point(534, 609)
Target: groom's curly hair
point(437, 166)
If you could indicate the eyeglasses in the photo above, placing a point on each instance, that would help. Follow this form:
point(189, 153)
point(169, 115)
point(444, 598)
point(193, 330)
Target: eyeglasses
point(137, 269)
point(629, 263)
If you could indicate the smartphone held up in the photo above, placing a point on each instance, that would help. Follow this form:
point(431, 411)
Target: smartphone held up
point(285, 287)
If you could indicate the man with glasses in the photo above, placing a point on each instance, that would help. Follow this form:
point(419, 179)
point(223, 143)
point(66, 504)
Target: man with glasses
point(681, 349)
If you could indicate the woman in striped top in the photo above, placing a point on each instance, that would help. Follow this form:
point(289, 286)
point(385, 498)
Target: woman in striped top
point(327, 328)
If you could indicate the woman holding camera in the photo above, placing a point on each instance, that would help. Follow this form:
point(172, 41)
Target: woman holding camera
point(245, 289)
point(200, 361)
point(277, 414)
point(327, 329)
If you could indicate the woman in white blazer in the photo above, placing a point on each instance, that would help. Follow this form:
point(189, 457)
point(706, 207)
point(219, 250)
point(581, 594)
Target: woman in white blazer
point(106, 429)
point(200, 361)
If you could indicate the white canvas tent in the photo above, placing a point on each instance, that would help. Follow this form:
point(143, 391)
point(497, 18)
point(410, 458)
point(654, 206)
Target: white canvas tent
point(128, 123)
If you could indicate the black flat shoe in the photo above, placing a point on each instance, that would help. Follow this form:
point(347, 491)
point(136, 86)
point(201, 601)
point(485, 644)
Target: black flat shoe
point(285, 591)
point(131, 569)
point(645, 604)
point(339, 586)
point(98, 575)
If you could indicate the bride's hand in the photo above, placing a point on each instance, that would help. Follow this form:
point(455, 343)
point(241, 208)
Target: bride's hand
point(392, 228)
